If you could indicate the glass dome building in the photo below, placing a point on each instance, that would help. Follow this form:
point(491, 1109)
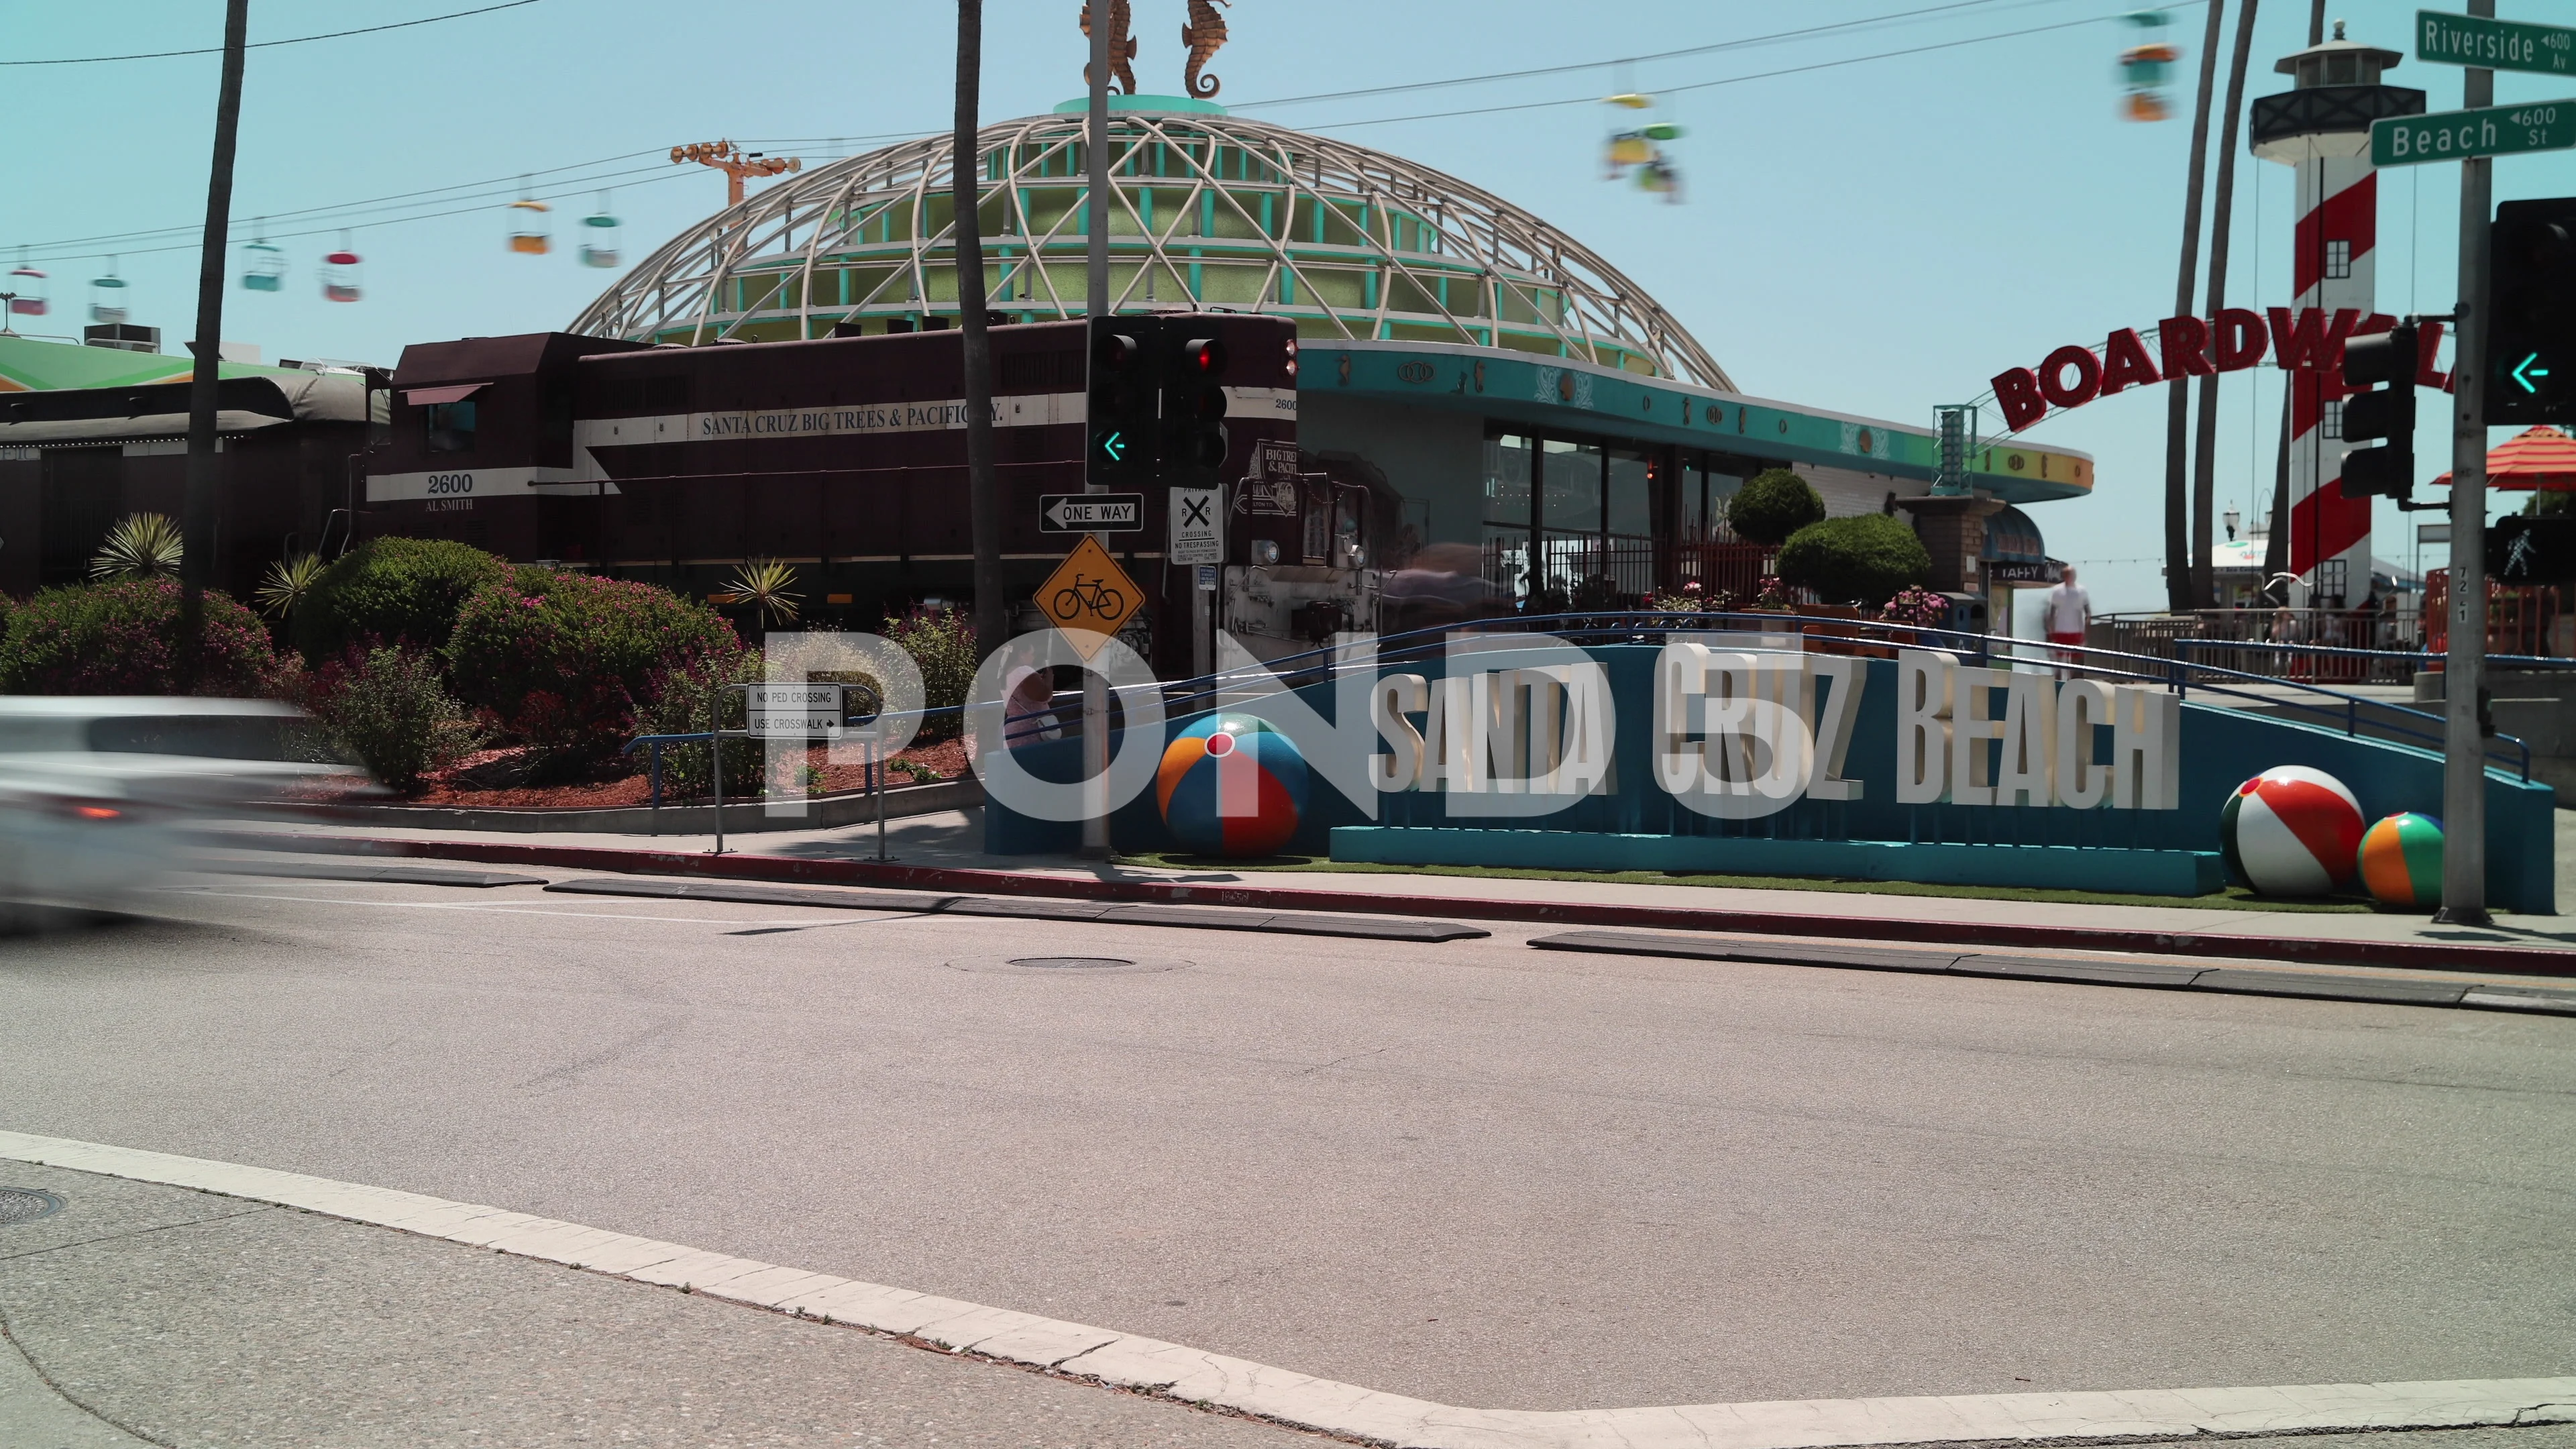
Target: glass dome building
point(1212, 211)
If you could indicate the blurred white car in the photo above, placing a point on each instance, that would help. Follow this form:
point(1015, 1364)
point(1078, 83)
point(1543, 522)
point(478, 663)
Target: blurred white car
point(94, 792)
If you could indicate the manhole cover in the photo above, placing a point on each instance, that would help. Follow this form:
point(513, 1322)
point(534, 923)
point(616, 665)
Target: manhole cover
point(1073, 963)
point(1067, 966)
point(25, 1205)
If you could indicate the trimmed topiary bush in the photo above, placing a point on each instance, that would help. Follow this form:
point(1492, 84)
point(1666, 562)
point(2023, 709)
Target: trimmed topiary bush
point(122, 637)
point(391, 591)
point(389, 706)
point(1852, 560)
point(1772, 505)
point(563, 659)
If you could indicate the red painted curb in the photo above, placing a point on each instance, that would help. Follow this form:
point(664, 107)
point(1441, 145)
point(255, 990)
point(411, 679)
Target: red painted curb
point(2464, 956)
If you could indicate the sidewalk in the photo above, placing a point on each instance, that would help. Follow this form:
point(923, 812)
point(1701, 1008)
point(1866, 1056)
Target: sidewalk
point(923, 848)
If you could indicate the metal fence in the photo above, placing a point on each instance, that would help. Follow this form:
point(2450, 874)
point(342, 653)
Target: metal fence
point(1585, 571)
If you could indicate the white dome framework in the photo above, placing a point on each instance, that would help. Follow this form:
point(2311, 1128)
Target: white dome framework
point(1212, 211)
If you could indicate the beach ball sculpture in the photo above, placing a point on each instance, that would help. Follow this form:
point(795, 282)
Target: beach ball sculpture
point(2401, 860)
point(2292, 831)
point(1231, 785)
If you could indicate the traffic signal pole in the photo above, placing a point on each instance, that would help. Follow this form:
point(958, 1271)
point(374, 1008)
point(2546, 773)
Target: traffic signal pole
point(2464, 813)
point(1095, 688)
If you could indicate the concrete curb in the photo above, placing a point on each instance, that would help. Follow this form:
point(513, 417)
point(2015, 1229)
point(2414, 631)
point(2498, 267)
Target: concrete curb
point(2416, 955)
point(1175, 1371)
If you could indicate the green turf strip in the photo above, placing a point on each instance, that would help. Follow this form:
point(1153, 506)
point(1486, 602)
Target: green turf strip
point(2234, 898)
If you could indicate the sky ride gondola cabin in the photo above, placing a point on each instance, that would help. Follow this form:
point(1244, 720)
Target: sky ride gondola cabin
point(30, 292)
point(599, 238)
point(529, 235)
point(340, 274)
point(263, 268)
point(108, 300)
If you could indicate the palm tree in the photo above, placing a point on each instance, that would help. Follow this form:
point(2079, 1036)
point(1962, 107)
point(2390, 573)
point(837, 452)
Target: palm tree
point(142, 545)
point(983, 486)
point(2178, 564)
point(2204, 482)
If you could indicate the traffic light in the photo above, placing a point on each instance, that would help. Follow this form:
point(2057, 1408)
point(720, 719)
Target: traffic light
point(1194, 409)
point(2531, 342)
point(1124, 434)
point(2383, 412)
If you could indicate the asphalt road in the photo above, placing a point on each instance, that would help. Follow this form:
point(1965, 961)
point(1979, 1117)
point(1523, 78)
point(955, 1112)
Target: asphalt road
point(1470, 1172)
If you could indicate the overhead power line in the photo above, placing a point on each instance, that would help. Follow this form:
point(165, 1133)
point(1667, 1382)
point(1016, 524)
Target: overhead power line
point(1742, 43)
point(1741, 79)
point(262, 44)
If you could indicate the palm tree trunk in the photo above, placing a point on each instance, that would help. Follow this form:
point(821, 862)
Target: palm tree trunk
point(197, 511)
point(983, 486)
point(2204, 483)
point(2178, 567)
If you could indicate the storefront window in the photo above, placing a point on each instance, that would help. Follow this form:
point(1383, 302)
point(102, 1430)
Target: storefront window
point(1508, 465)
point(1631, 506)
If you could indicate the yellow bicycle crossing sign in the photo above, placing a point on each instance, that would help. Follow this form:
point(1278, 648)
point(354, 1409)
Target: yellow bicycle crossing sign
point(1089, 596)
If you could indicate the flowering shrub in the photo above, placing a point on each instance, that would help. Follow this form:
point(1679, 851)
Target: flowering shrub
point(122, 637)
point(390, 708)
point(562, 660)
point(1692, 599)
point(1917, 606)
point(1774, 595)
point(684, 698)
point(391, 590)
point(942, 642)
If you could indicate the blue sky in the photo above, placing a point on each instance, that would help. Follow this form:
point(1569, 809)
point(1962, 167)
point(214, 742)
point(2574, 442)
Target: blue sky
point(1878, 237)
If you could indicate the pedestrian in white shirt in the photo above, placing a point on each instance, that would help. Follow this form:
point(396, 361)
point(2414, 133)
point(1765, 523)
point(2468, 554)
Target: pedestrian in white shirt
point(2069, 611)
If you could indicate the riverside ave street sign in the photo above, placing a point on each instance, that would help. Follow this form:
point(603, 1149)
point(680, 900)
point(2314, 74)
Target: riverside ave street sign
point(793, 711)
point(1091, 513)
point(2494, 44)
point(2459, 135)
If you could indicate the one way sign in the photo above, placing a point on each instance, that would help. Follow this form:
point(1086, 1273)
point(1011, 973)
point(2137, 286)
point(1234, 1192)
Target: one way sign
point(1091, 513)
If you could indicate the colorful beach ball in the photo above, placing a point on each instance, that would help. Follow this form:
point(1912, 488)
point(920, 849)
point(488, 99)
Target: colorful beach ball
point(2292, 831)
point(2401, 860)
point(1231, 785)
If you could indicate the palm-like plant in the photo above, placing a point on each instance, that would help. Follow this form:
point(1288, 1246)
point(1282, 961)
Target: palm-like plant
point(287, 583)
point(142, 545)
point(769, 587)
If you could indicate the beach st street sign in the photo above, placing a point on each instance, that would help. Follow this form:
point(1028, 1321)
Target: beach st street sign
point(1091, 513)
point(2495, 44)
point(2459, 135)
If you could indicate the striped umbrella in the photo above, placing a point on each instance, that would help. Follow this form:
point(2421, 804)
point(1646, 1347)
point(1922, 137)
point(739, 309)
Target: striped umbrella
point(2541, 458)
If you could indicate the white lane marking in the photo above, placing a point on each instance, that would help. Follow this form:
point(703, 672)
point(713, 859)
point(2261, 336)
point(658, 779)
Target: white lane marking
point(1194, 1375)
point(530, 909)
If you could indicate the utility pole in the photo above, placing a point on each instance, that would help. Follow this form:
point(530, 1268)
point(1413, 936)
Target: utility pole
point(1095, 689)
point(2204, 480)
point(983, 487)
point(2179, 566)
point(198, 511)
point(2464, 745)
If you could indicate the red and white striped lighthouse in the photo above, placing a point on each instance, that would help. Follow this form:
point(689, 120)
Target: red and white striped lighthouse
point(2322, 128)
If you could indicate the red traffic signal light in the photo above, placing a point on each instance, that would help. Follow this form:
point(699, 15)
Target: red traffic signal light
point(1204, 356)
point(1114, 352)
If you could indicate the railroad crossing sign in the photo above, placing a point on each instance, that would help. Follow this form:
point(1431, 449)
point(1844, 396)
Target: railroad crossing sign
point(2477, 40)
point(1089, 597)
point(1091, 513)
point(1198, 530)
point(2460, 135)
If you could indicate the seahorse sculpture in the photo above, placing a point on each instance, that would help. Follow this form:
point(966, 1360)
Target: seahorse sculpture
point(1122, 47)
point(1203, 35)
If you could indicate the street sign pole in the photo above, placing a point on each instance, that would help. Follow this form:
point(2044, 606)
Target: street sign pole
point(1095, 689)
point(2464, 764)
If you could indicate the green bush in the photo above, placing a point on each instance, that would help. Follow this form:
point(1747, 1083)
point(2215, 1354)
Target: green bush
point(1772, 505)
point(389, 706)
point(1852, 560)
point(122, 637)
point(392, 591)
point(942, 643)
point(563, 660)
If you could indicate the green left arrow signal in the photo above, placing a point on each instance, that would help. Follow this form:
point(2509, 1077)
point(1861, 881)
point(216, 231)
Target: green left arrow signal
point(1115, 445)
point(2524, 372)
